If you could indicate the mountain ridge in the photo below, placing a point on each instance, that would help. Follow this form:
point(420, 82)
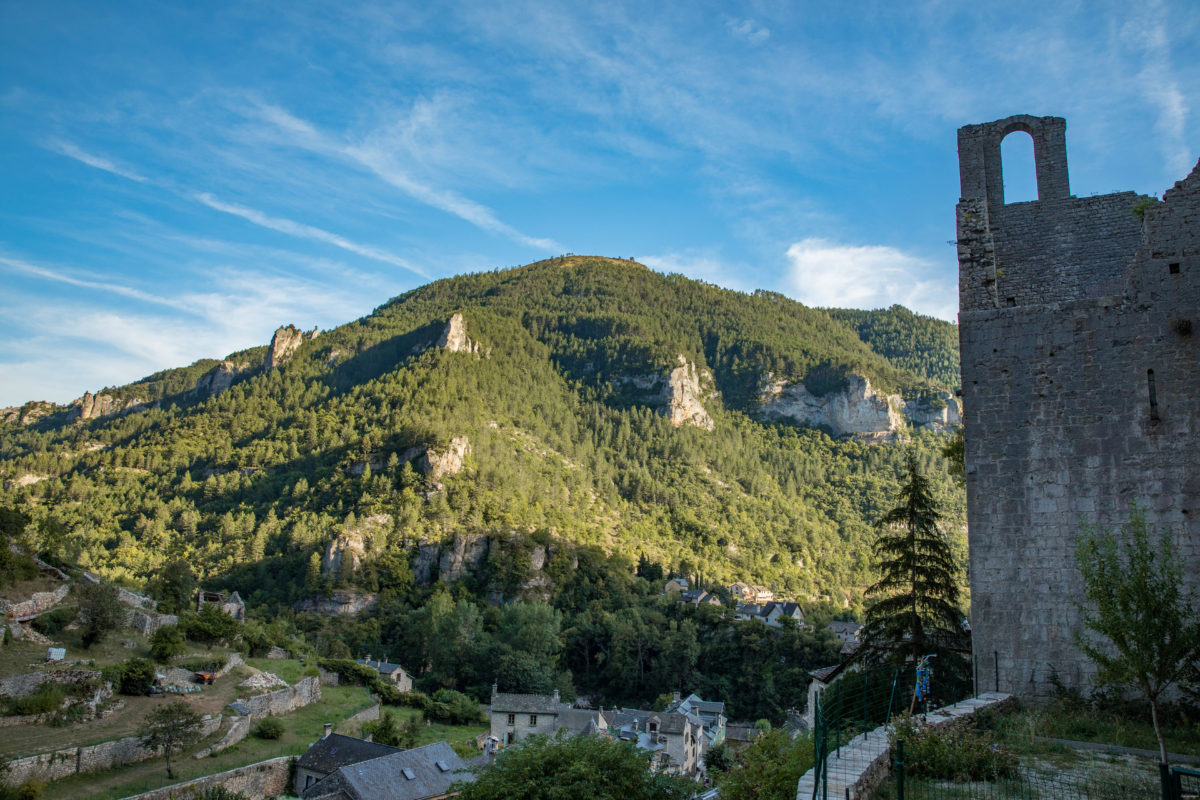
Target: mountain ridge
point(560, 381)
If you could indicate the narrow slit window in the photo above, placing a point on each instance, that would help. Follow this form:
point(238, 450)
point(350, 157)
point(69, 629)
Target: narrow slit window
point(1153, 395)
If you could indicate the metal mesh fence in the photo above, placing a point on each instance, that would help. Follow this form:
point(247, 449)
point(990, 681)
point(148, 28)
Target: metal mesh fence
point(852, 713)
point(1132, 784)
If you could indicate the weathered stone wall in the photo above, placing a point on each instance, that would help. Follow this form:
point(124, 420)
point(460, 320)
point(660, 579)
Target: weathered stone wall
point(282, 701)
point(1080, 397)
point(369, 714)
point(239, 728)
point(147, 622)
point(27, 684)
point(256, 781)
point(78, 760)
point(38, 603)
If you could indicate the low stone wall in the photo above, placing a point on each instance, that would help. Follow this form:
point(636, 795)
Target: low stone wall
point(257, 781)
point(39, 603)
point(27, 684)
point(147, 622)
point(329, 678)
point(134, 600)
point(93, 758)
point(366, 715)
point(237, 731)
point(283, 701)
point(860, 765)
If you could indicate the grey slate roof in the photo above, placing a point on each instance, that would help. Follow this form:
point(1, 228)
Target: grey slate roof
point(416, 774)
point(335, 751)
point(382, 667)
point(524, 703)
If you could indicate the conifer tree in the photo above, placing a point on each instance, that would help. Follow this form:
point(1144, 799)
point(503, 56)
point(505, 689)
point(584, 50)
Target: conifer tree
point(915, 607)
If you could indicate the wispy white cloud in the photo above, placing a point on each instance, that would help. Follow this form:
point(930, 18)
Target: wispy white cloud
point(1158, 84)
point(378, 154)
point(827, 274)
point(99, 162)
point(749, 30)
point(96, 283)
point(303, 231)
point(104, 346)
point(702, 266)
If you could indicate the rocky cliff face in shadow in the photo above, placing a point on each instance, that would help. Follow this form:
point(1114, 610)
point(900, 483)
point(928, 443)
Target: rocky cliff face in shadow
point(856, 410)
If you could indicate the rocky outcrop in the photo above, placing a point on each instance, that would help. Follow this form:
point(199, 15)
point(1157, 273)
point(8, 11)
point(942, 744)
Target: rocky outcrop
point(454, 337)
point(856, 410)
point(677, 394)
point(284, 344)
point(683, 393)
point(465, 554)
point(220, 377)
point(95, 406)
point(27, 414)
point(344, 554)
point(25, 479)
point(437, 464)
point(941, 412)
point(340, 604)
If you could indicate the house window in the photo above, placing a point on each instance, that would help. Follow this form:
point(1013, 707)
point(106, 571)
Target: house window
point(512, 719)
point(654, 727)
point(532, 720)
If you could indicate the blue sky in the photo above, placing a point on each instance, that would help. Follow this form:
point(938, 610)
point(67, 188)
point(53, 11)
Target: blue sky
point(177, 180)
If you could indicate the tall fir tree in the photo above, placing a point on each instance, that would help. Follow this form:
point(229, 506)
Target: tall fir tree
point(914, 611)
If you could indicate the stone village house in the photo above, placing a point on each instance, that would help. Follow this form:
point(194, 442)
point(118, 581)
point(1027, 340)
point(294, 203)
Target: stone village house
point(677, 738)
point(393, 673)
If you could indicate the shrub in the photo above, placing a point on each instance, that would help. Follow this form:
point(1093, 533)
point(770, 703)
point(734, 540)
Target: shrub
point(269, 728)
point(452, 707)
point(957, 752)
point(166, 643)
point(137, 677)
point(47, 697)
point(50, 623)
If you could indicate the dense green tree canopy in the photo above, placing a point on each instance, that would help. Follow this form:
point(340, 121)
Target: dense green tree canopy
point(594, 767)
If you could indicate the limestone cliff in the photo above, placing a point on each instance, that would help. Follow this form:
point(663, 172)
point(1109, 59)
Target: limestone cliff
point(346, 553)
point(27, 414)
point(454, 337)
point(677, 394)
point(284, 344)
point(220, 377)
point(856, 410)
point(92, 406)
point(439, 463)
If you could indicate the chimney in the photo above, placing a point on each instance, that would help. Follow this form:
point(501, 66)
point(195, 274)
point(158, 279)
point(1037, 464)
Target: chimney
point(675, 697)
point(495, 690)
point(328, 729)
point(555, 700)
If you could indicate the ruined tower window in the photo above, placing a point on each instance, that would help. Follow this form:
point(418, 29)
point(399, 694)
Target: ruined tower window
point(1012, 301)
point(1019, 167)
point(1153, 395)
point(1173, 268)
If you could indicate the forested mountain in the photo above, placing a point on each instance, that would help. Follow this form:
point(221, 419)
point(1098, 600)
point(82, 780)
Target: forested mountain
point(578, 393)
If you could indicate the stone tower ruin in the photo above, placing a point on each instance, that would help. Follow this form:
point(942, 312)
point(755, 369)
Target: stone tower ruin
point(1079, 327)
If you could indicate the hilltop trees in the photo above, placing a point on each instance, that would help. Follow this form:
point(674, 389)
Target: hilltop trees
point(915, 607)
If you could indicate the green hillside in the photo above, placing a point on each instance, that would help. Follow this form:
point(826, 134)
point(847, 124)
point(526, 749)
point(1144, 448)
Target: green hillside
point(566, 453)
point(258, 478)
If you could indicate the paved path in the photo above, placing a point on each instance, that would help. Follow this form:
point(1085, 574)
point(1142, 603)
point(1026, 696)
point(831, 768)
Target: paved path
point(854, 769)
point(1176, 758)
